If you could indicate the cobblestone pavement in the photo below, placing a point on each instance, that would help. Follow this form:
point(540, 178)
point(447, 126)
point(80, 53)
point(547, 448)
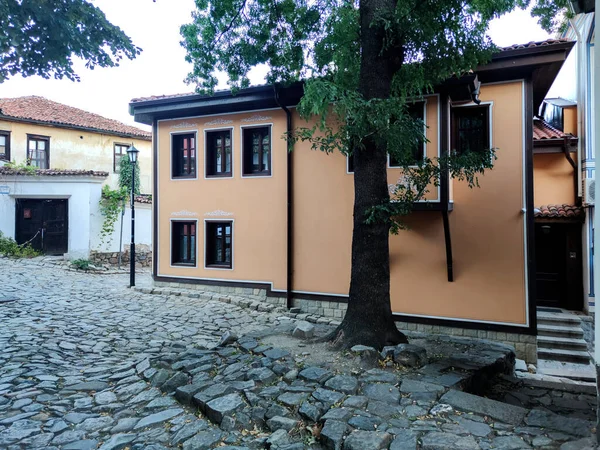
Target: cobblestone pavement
point(69, 336)
point(86, 363)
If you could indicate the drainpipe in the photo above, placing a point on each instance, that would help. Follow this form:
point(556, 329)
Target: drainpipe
point(290, 213)
point(596, 147)
point(580, 64)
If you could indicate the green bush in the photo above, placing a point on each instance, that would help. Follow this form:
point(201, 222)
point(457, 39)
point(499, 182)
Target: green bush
point(9, 247)
point(81, 264)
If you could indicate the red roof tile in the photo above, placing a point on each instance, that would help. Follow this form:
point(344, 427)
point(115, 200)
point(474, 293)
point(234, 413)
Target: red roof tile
point(533, 44)
point(53, 172)
point(543, 130)
point(160, 97)
point(144, 198)
point(47, 111)
point(559, 212)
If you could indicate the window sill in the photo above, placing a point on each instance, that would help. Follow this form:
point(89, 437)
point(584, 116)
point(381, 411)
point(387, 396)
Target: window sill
point(182, 264)
point(256, 174)
point(218, 266)
point(225, 175)
point(184, 177)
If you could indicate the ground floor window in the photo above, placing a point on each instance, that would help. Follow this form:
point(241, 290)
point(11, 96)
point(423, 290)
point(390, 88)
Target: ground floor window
point(219, 244)
point(183, 247)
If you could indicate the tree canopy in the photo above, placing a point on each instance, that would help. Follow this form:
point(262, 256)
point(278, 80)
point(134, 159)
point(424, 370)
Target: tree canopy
point(363, 63)
point(41, 37)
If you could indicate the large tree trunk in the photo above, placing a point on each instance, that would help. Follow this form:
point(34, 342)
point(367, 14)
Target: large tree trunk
point(369, 319)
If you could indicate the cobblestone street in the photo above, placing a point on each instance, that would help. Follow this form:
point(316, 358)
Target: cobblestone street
point(70, 334)
point(87, 363)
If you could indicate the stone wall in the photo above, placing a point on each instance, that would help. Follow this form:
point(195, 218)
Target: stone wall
point(525, 345)
point(143, 257)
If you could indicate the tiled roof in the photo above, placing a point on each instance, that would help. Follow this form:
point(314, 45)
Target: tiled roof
point(53, 172)
point(559, 212)
point(543, 130)
point(532, 44)
point(160, 97)
point(47, 111)
point(144, 198)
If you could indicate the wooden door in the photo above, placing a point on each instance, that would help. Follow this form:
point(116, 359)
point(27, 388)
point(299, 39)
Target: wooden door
point(44, 224)
point(559, 274)
point(550, 244)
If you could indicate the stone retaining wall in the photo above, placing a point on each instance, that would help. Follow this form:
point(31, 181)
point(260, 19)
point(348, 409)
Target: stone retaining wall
point(143, 257)
point(525, 345)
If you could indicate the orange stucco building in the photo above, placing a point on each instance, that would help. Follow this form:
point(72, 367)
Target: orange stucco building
point(233, 209)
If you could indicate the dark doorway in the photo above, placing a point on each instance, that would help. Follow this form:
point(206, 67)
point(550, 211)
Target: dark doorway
point(558, 259)
point(43, 223)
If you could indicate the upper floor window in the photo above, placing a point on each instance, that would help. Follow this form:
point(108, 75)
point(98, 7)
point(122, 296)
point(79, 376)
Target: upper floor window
point(218, 244)
point(416, 151)
point(470, 129)
point(218, 153)
point(119, 151)
point(183, 155)
point(183, 245)
point(256, 149)
point(38, 151)
point(5, 145)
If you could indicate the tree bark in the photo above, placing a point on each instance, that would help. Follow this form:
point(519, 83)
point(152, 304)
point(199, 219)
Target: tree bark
point(369, 319)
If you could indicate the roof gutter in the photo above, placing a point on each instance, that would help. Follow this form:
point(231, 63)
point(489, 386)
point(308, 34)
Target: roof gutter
point(290, 199)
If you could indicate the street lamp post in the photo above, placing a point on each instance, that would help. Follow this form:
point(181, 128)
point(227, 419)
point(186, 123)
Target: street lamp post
point(132, 152)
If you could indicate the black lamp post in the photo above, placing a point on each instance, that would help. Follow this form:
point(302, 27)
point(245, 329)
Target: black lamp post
point(132, 152)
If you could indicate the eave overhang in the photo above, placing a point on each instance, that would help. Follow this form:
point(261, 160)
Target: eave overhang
point(251, 99)
point(540, 62)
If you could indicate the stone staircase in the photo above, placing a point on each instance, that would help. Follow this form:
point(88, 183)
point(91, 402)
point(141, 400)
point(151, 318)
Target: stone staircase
point(562, 351)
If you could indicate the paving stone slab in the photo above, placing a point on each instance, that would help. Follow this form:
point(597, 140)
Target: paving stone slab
point(480, 405)
point(333, 433)
point(343, 383)
point(367, 440)
point(547, 419)
point(223, 406)
point(436, 440)
point(204, 440)
point(405, 440)
point(158, 417)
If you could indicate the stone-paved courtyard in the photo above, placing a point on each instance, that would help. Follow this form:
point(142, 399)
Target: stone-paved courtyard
point(87, 363)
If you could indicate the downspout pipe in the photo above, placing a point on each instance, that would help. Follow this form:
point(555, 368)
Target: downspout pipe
point(290, 200)
point(580, 63)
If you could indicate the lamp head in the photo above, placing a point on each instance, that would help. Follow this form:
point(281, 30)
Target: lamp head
point(132, 152)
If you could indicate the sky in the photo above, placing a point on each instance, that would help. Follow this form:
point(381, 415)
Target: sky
point(161, 67)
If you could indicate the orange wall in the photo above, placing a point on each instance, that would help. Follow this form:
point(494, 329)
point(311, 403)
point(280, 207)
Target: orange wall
point(570, 120)
point(486, 225)
point(553, 180)
point(256, 205)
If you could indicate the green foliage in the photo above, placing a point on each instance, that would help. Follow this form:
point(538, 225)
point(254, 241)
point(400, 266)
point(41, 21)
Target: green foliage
point(81, 264)
point(112, 204)
point(323, 43)
point(125, 174)
point(552, 15)
point(42, 37)
point(21, 167)
point(9, 247)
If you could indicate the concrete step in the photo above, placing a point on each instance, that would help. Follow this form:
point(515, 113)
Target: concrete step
point(579, 372)
point(564, 355)
point(560, 331)
point(561, 343)
point(560, 319)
